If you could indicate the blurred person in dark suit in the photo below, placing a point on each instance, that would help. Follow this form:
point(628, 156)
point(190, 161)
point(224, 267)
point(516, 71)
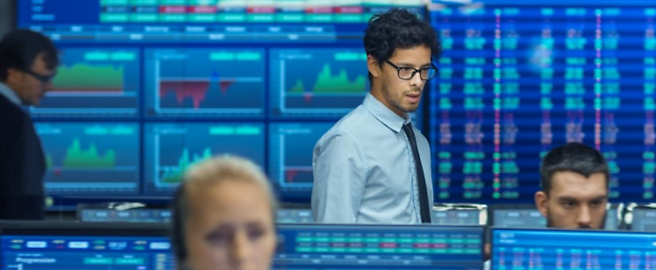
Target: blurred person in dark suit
point(28, 62)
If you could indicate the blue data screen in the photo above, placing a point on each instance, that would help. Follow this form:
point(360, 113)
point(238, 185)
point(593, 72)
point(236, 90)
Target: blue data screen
point(553, 249)
point(85, 253)
point(290, 156)
point(193, 79)
point(175, 147)
point(379, 247)
point(94, 158)
point(301, 246)
point(517, 79)
point(317, 82)
point(643, 220)
point(96, 82)
point(205, 82)
point(131, 215)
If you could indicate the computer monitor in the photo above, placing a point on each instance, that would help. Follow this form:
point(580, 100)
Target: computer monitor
point(571, 249)
point(457, 217)
point(643, 220)
point(91, 213)
point(122, 212)
point(290, 215)
point(91, 246)
point(529, 217)
point(86, 246)
point(320, 246)
point(519, 218)
point(136, 215)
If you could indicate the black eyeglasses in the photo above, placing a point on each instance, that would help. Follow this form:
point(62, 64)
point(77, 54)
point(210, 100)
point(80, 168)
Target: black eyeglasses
point(44, 79)
point(406, 73)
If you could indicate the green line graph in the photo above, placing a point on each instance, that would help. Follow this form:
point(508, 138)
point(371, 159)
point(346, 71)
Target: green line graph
point(328, 83)
point(77, 157)
point(175, 175)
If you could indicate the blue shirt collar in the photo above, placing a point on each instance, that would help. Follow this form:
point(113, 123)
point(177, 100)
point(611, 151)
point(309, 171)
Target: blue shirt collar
point(9, 94)
point(384, 114)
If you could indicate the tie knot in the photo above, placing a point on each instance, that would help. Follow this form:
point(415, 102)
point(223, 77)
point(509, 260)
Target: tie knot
point(408, 128)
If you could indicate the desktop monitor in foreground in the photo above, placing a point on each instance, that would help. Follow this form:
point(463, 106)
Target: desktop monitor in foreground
point(379, 247)
point(145, 215)
point(133, 215)
point(457, 217)
point(84, 246)
point(643, 220)
point(129, 246)
point(292, 215)
point(571, 249)
point(532, 218)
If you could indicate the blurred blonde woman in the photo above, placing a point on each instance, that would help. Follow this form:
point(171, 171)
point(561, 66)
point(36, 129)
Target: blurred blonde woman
point(223, 217)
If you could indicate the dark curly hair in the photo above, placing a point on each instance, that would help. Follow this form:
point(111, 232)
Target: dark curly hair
point(398, 29)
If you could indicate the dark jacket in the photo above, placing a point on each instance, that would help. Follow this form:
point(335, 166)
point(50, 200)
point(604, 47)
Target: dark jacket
point(22, 165)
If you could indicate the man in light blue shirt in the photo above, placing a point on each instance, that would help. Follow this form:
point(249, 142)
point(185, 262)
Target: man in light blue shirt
point(373, 166)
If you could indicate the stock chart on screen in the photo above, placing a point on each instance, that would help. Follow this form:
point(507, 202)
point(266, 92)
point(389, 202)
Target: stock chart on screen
point(317, 82)
point(561, 249)
point(290, 156)
point(192, 79)
point(86, 158)
point(171, 148)
point(517, 79)
point(181, 22)
point(326, 247)
point(93, 82)
point(204, 82)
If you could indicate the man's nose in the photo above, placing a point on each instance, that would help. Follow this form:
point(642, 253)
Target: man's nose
point(584, 218)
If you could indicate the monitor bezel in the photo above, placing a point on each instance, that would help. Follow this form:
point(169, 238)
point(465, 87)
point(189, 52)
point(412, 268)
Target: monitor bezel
point(68, 228)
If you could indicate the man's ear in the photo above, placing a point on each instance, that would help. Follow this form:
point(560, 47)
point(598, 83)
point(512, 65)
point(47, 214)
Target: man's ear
point(541, 202)
point(373, 66)
point(13, 75)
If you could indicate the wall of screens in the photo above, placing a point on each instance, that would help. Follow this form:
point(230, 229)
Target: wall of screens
point(149, 87)
point(519, 78)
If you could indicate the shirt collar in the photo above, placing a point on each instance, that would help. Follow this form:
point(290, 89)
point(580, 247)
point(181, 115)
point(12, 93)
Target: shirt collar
point(9, 94)
point(384, 114)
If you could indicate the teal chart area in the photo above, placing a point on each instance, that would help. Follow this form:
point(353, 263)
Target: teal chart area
point(172, 148)
point(205, 82)
point(317, 82)
point(93, 82)
point(90, 158)
point(290, 156)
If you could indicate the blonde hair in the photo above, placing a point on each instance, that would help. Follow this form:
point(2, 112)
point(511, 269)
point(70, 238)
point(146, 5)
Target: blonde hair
point(222, 168)
point(208, 173)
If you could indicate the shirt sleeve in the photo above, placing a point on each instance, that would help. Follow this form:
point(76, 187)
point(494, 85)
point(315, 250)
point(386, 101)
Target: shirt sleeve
point(339, 179)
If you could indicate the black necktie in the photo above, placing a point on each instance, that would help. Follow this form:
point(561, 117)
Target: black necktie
point(421, 181)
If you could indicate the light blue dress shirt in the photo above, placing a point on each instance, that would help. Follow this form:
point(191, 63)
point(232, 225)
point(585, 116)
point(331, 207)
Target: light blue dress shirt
point(364, 170)
point(9, 94)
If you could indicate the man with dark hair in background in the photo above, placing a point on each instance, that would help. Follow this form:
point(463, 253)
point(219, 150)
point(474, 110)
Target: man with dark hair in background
point(28, 62)
point(373, 166)
point(574, 181)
